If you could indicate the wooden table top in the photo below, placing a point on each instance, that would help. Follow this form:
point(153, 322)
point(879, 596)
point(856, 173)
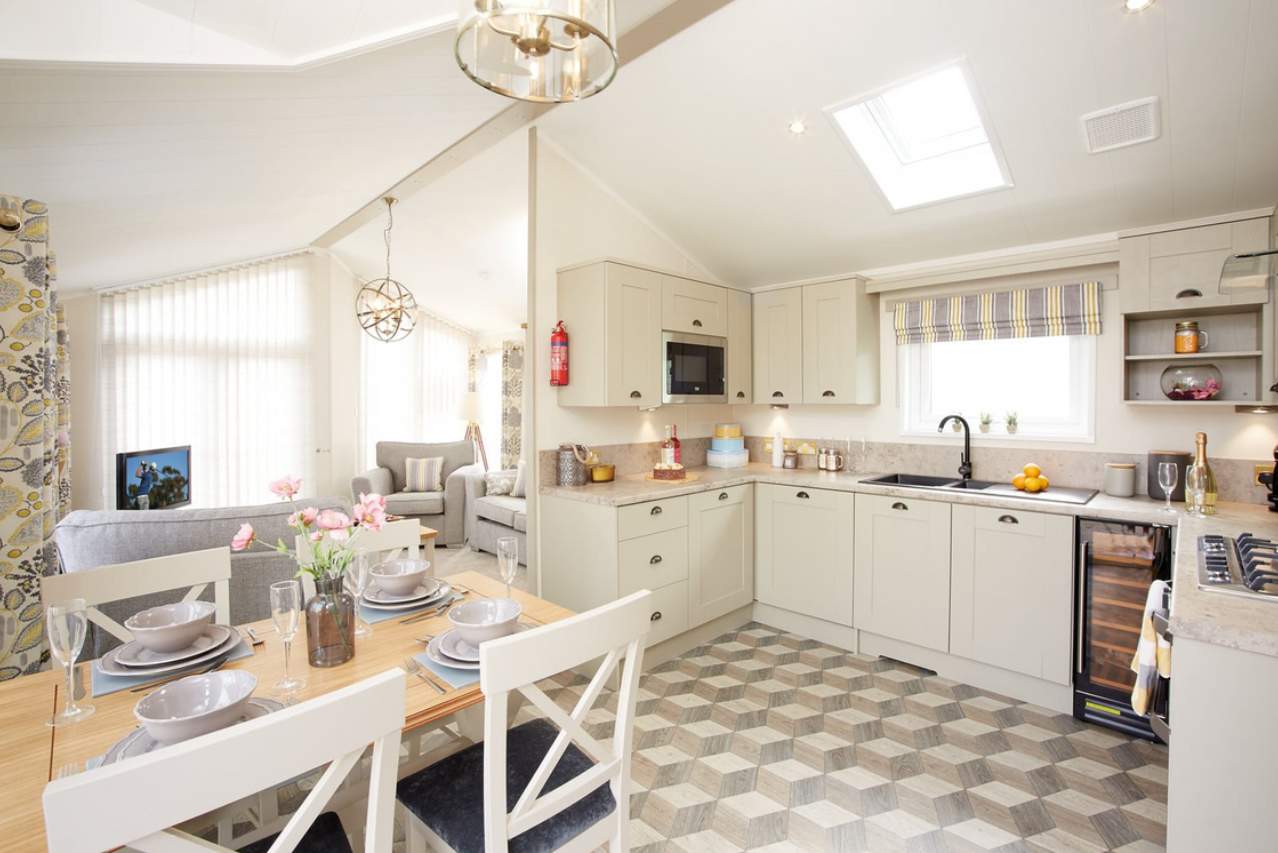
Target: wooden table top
point(31, 752)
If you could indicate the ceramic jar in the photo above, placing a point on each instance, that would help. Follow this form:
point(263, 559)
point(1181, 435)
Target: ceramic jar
point(1120, 479)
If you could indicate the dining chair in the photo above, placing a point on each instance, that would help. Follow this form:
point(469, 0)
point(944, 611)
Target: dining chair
point(395, 536)
point(546, 784)
point(194, 569)
point(137, 802)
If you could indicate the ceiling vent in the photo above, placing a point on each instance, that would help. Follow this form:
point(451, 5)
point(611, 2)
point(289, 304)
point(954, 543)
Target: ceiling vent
point(1126, 124)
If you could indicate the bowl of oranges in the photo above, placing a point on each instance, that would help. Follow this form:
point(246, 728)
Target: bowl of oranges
point(1031, 479)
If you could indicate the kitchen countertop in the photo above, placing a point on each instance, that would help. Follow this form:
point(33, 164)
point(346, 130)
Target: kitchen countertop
point(1223, 620)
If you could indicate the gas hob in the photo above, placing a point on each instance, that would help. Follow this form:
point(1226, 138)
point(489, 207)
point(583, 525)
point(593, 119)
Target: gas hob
point(1246, 566)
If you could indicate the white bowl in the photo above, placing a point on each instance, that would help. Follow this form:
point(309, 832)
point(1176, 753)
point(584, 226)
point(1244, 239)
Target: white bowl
point(195, 706)
point(399, 577)
point(485, 619)
point(170, 627)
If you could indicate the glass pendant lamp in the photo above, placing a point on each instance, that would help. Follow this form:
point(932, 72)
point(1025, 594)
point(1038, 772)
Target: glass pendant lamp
point(546, 51)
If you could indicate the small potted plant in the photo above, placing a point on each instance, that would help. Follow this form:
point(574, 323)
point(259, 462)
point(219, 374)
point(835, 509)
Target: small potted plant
point(1010, 421)
point(955, 425)
point(986, 420)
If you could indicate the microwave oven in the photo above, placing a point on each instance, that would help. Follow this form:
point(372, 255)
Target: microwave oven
point(695, 368)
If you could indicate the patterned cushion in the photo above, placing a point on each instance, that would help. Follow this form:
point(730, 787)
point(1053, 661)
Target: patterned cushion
point(499, 482)
point(324, 836)
point(422, 475)
point(448, 796)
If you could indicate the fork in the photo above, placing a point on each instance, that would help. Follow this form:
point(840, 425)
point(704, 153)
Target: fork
point(416, 669)
point(431, 614)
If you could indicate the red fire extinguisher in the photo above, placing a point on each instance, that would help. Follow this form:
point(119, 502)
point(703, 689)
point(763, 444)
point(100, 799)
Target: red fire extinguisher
point(558, 355)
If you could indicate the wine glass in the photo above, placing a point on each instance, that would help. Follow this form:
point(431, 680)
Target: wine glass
point(1167, 475)
point(66, 624)
point(286, 612)
point(508, 560)
point(357, 582)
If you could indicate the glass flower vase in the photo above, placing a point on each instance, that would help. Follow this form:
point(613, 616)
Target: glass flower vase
point(330, 624)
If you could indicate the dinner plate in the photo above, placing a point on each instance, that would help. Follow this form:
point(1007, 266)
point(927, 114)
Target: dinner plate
point(132, 653)
point(427, 589)
point(110, 666)
point(435, 651)
point(138, 742)
point(440, 595)
point(452, 645)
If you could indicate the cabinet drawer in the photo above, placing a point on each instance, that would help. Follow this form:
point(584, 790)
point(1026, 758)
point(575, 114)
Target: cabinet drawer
point(652, 561)
point(1011, 521)
point(651, 517)
point(719, 497)
point(690, 306)
point(669, 612)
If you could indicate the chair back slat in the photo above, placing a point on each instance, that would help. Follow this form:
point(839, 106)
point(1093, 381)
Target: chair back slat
point(613, 633)
point(105, 584)
point(100, 809)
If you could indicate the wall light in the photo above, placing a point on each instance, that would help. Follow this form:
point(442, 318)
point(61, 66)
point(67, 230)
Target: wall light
point(797, 127)
point(1137, 5)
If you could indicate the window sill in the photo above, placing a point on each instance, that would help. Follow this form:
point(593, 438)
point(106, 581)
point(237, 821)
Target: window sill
point(1000, 436)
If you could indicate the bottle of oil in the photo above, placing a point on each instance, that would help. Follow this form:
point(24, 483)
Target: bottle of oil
point(1200, 482)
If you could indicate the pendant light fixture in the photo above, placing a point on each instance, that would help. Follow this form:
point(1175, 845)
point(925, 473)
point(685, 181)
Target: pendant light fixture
point(384, 307)
point(547, 51)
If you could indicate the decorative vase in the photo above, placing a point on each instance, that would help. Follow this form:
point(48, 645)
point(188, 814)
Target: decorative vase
point(1011, 429)
point(985, 427)
point(330, 624)
point(1191, 382)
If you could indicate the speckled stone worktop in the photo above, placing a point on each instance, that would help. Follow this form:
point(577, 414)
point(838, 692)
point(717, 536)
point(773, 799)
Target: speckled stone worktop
point(1223, 620)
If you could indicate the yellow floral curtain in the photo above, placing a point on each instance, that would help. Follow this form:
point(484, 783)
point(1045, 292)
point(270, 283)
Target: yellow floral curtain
point(35, 428)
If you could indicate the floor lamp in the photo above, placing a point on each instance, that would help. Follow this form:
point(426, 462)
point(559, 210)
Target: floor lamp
point(470, 414)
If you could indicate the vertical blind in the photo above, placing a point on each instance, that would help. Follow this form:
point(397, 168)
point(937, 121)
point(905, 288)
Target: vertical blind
point(413, 389)
point(221, 361)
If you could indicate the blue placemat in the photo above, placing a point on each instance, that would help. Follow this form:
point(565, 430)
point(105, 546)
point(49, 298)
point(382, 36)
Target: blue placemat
point(372, 616)
point(454, 677)
point(104, 684)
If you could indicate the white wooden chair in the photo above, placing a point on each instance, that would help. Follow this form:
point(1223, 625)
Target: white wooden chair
point(395, 536)
point(195, 569)
point(575, 795)
point(137, 802)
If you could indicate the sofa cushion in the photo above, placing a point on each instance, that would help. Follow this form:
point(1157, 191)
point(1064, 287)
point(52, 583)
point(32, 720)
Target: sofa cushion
point(521, 522)
point(392, 455)
point(500, 508)
point(415, 503)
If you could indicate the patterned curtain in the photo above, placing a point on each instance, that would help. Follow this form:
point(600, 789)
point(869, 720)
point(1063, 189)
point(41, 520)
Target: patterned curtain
point(1062, 309)
point(512, 404)
point(35, 437)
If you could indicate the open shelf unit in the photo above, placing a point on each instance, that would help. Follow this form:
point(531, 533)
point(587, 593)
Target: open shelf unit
point(1236, 347)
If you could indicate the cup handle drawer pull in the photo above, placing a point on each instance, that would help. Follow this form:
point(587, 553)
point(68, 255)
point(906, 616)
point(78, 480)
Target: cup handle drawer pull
point(635, 395)
point(899, 505)
point(803, 495)
point(741, 395)
point(1189, 292)
point(827, 393)
point(696, 323)
point(656, 558)
point(777, 394)
point(723, 496)
point(1009, 519)
point(655, 617)
point(656, 510)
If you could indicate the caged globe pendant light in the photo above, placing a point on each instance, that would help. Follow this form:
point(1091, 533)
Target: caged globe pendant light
point(546, 51)
point(384, 307)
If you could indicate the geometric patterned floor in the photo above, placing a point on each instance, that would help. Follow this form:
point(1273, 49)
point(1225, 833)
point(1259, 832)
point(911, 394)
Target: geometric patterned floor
point(766, 741)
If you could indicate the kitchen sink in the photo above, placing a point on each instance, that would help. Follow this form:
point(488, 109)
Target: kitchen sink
point(1056, 494)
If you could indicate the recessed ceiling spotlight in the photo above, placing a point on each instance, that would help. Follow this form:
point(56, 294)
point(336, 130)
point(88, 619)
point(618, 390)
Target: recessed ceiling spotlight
point(1137, 5)
point(797, 127)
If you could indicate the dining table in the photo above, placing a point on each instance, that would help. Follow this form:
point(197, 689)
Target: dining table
point(32, 753)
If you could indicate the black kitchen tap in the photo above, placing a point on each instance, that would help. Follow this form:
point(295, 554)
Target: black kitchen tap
point(965, 463)
point(1271, 480)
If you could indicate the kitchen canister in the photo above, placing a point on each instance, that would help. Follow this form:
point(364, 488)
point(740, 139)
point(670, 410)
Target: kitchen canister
point(1120, 479)
point(1177, 457)
point(572, 469)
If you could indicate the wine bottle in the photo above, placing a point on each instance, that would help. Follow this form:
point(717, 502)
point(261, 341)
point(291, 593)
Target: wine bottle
point(1200, 482)
point(678, 448)
point(667, 449)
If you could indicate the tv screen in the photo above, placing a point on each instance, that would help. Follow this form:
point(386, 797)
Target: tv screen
point(153, 479)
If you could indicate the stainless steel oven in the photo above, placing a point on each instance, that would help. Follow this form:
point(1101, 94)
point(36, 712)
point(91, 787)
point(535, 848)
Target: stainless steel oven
point(696, 368)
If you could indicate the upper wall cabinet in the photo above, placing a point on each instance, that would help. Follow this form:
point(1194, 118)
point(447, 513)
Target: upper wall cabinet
point(613, 316)
point(840, 343)
point(740, 372)
point(1179, 268)
point(778, 346)
point(690, 306)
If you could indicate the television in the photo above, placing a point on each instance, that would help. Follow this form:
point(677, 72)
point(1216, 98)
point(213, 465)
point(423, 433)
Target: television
point(153, 479)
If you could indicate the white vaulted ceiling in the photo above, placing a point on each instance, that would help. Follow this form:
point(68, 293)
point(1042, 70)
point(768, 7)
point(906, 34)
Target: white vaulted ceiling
point(695, 135)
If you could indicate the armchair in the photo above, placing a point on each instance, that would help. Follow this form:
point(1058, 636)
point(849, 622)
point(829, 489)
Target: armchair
point(443, 510)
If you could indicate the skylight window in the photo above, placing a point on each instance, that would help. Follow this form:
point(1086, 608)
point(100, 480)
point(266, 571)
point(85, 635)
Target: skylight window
point(924, 140)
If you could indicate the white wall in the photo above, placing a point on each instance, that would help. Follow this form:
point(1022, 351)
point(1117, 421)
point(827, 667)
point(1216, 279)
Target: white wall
point(580, 219)
point(86, 426)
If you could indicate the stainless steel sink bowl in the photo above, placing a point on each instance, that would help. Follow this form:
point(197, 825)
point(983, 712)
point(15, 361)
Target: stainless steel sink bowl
point(918, 481)
point(1056, 494)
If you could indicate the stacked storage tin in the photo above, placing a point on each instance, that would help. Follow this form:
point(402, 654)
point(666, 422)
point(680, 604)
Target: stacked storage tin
point(727, 448)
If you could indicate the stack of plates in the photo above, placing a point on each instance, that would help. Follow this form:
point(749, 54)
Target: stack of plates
point(449, 649)
point(427, 593)
point(140, 742)
point(132, 660)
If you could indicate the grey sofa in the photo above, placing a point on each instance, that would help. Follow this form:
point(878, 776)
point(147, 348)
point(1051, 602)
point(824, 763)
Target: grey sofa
point(87, 539)
point(444, 510)
point(490, 517)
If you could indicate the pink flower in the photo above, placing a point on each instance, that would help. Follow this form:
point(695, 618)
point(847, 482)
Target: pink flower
point(331, 519)
point(286, 487)
point(243, 538)
point(370, 512)
point(317, 535)
point(339, 535)
point(303, 517)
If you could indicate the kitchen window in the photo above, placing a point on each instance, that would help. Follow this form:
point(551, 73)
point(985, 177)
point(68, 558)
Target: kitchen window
point(1049, 381)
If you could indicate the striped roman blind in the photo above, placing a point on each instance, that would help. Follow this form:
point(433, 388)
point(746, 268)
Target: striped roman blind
point(1059, 309)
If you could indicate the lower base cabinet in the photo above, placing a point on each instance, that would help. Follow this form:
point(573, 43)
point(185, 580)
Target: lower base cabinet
point(902, 569)
point(720, 552)
point(803, 550)
point(1010, 590)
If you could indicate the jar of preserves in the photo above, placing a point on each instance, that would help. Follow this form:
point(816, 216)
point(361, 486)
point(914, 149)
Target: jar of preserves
point(1188, 337)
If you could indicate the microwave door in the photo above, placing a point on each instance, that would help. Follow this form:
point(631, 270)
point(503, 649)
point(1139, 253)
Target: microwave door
point(694, 369)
